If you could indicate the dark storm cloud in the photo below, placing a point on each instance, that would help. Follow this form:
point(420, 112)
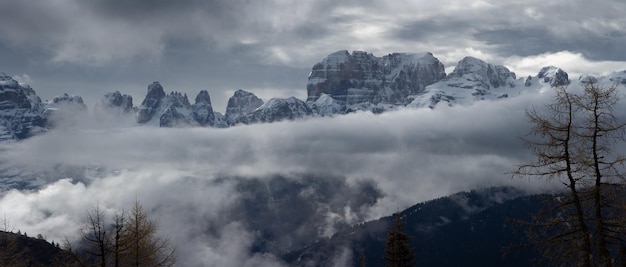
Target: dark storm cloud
point(526, 28)
point(71, 28)
point(92, 47)
point(534, 40)
point(153, 8)
point(430, 28)
point(22, 20)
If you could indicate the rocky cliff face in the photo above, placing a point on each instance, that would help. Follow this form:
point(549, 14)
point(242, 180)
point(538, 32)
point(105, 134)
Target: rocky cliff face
point(20, 110)
point(151, 103)
point(174, 110)
point(202, 110)
point(360, 77)
point(240, 104)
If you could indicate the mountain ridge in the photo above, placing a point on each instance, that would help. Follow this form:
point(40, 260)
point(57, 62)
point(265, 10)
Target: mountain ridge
point(340, 83)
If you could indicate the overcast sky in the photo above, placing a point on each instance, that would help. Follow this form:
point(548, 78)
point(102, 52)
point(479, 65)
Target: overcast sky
point(91, 47)
point(268, 47)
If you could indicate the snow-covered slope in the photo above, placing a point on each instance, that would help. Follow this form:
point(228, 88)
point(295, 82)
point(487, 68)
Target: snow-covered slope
point(615, 78)
point(472, 80)
point(475, 80)
point(326, 105)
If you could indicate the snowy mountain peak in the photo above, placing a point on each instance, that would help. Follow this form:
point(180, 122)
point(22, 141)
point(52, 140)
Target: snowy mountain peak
point(615, 78)
point(202, 110)
point(203, 97)
point(241, 103)
point(480, 73)
point(149, 106)
point(177, 99)
point(553, 76)
point(276, 109)
point(20, 110)
point(16, 95)
point(326, 105)
point(174, 109)
point(472, 80)
point(7, 81)
point(155, 89)
point(275, 102)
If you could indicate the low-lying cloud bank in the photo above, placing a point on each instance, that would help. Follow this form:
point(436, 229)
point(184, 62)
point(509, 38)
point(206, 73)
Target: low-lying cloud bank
point(224, 195)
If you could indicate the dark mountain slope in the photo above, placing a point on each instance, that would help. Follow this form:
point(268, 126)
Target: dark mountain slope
point(465, 229)
point(19, 250)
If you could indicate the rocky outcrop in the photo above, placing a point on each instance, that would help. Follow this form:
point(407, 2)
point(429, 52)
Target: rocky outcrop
point(151, 103)
point(202, 110)
point(361, 77)
point(20, 110)
point(277, 109)
point(553, 76)
point(174, 109)
point(172, 118)
point(241, 103)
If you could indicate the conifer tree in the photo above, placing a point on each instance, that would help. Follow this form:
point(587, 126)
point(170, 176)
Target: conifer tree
point(145, 247)
point(398, 252)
